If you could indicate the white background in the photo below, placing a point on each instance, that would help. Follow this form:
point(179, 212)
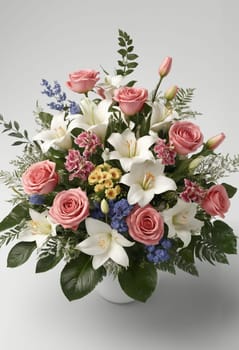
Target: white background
point(49, 39)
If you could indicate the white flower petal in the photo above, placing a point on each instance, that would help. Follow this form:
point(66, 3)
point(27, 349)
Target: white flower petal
point(146, 197)
point(91, 245)
point(94, 227)
point(120, 239)
point(163, 184)
point(135, 194)
point(118, 255)
point(144, 143)
point(58, 121)
point(99, 260)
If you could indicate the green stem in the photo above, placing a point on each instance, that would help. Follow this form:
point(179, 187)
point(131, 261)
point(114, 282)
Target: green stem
point(156, 89)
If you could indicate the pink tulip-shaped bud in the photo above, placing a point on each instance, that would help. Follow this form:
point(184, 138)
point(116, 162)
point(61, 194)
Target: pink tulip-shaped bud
point(165, 67)
point(171, 93)
point(215, 141)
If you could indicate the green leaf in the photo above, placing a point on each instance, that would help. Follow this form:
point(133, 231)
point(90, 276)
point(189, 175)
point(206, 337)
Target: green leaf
point(20, 253)
point(16, 125)
point(45, 118)
point(122, 42)
point(18, 143)
point(131, 83)
point(230, 189)
point(122, 52)
point(139, 281)
point(15, 216)
point(224, 238)
point(167, 266)
point(48, 262)
point(78, 278)
point(132, 65)
point(132, 56)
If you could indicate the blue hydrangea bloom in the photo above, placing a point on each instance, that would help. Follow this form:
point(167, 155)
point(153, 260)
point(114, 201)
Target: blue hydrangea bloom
point(36, 199)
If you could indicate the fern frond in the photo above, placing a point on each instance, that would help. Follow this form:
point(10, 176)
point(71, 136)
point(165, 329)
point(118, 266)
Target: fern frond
point(181, 104)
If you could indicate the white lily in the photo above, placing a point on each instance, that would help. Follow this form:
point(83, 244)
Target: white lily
point(110, 84)
point(104, 243)
point(93, 118)
point(145, 180)
point(128, 149)
point(161, 117)
point(59, 135)
point(38, 229)
point(181, 221)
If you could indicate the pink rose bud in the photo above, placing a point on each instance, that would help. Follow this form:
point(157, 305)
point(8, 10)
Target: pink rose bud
point(131, 100)
point(215, 141)
point(165, 67)
point(83, 80)
point(171, 92)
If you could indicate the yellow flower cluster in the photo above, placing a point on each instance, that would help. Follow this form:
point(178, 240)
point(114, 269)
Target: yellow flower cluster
point(105, 179)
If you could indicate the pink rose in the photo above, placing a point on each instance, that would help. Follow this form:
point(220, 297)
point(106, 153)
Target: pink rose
point(186, 137)
point(40, 178)
point(131, 100)
point(83, 80)
point(216, 201)
point(145, 225)
point(70, 208)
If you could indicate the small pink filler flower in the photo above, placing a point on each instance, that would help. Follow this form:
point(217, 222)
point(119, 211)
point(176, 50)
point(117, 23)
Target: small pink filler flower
point(78, 165)
point(89, 141)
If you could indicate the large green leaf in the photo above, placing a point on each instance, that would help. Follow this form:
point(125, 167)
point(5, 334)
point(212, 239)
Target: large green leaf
point(139, 281)
point(48, 262)
point(231, 190)
point(224, 238)
point(20, 253)
point(18, 213)
point(78, 278)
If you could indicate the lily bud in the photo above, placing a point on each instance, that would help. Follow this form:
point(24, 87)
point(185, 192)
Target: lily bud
point(165, 67)
point(195, 163)
point(171, 92)
point(215, 141)
point(104, 206)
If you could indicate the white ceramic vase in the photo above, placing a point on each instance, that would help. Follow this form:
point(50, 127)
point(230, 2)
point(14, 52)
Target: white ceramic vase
point(110, 290)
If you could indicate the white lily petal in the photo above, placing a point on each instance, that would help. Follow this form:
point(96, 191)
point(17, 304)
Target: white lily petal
point(127, 179)
point(146, 198)
point(91, 245)
point(94, 227)
point(99, 130)
point(99, 260)
point(118, 255)
point(126, 163)
point(103, 110)
point(45, 135)
point(144, 143)
point(135, 194)
point(58, 121)
point(120, 239)
point(163, 184)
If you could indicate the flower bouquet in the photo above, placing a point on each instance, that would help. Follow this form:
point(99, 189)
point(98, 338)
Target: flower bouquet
point(117, 182)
